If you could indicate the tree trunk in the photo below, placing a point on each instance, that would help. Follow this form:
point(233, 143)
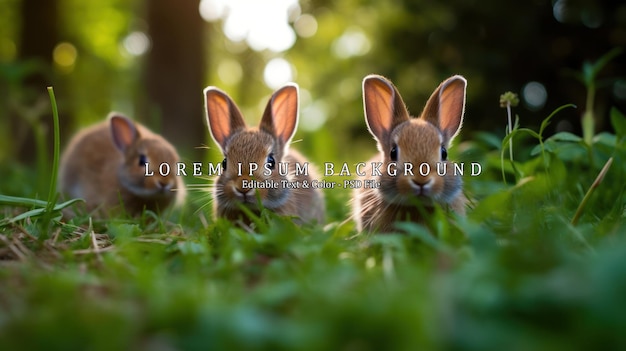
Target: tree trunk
point(174, 73)
point(38, 37)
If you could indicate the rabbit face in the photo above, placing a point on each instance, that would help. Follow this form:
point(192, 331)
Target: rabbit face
point(418, 148)
point(139, 147)
point(106, 165)
point(260, 156)
point(250, 155)
point(418, 161)
point(132, 173)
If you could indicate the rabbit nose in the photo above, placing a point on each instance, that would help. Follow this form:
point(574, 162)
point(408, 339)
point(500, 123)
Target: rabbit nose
point(243, 191)
point(423, 184)
point(164, 184)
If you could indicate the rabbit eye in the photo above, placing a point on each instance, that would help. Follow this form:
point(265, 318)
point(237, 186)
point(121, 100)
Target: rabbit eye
point(271, 161)
point(444, 153)
point(224, 164)
point(394, 153)
point(143, 160)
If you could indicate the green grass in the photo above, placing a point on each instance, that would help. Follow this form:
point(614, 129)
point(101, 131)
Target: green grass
point(517, 274)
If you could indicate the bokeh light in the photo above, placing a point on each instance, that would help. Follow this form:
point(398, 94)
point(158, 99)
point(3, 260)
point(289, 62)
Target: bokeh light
point(313, 116)
point(64, 56)
point(560, 11)
point(278, 71)
point(275, 36)
point(230, 72)
point(564, 126)
point(212, 10)
point(534, 95)
point(306, 26)
point(353, 42)
point(592, 18)
point(137, 43)
point(619, 89)
point(262, 24)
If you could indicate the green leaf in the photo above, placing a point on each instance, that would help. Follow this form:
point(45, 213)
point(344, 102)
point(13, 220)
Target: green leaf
point(529, 131)
point(488, 139)
point(420, 232)
point(547, 120)
point(607, 139)
point(21, 201)
point(618, 121)
point(123, 230)
point(557, 141)
point(547, 146)
point(191, 248)
point(36, 212)
point(496, 205)
point(566, 136)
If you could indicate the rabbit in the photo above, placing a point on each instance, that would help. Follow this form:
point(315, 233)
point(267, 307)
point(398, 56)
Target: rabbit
point(105, 165)
point(266, 147)
point(409, 142)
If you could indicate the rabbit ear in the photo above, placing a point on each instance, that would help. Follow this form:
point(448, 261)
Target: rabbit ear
point(123, 131)
point(281, 114)
point(223, 116)
point(446, 106)
point(384, 108)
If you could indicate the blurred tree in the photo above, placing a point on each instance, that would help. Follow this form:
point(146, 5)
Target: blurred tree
point(498, 46)
point(38, 36)
point(174, 74)
point(504, 46)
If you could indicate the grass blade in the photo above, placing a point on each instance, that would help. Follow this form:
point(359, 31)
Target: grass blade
point(38, 211)
point(593, 187)
point(52, 194)
point(21, 201)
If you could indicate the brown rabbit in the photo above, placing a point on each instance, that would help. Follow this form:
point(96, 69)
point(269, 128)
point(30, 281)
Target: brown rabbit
point(105, 165)
point(410, 142)
point(265, 147)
